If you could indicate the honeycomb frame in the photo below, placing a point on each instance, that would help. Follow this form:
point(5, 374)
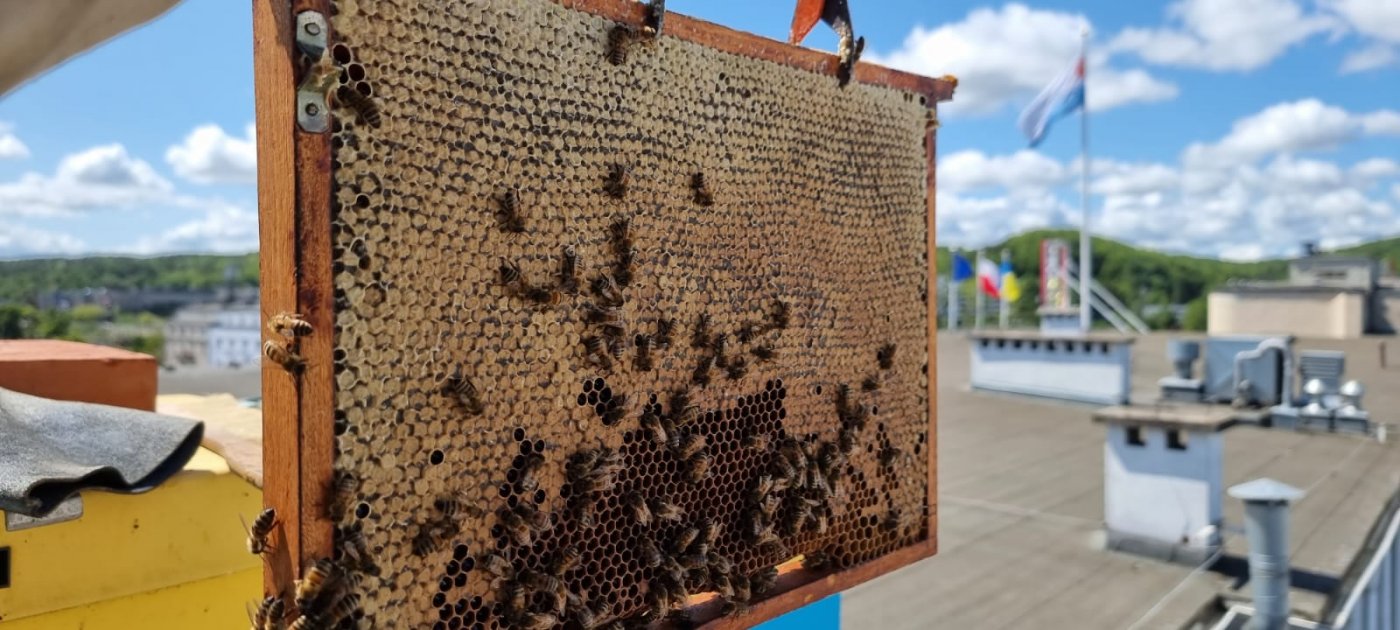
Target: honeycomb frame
point(325, 228)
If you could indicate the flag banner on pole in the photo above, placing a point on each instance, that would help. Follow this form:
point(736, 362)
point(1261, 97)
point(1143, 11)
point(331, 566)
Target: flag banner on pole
point(962, 268)
point(1010, 288)
point(1061, 97)
point(989, 278)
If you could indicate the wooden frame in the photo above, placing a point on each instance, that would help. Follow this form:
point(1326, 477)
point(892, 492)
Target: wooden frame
point(294, 196)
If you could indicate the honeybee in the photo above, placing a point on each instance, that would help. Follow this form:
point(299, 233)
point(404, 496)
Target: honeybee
point(892, 521)
point(312, 585)
point(885, 356)
point(764, 580)
point(613, 338)
point(343, 608)
point(585, 512)
point(733, 607)
point(464, 390)
point(651, 423)
point(542, 581)
point(511, 218)
point(622, 234)
point(618, 179)
point(783, 472)
point(690, 445)
point(719, 565)
point(656, 16)
point(268, 613)
point(617, 408)
point(514, 598)
point(664, 510)
point(871, 383)
point(736, 369)
point(769, 506)
point(764, 353)
point(283, 356)
point(607, 290)
point(781, 315)
point(703, 195)
point(700, 337)
point(749, 331)
point(658, 599)
point(823, 522)
point(533, 517)
point(740, 584)
point(516, 528)
point(638, 506)
point(829, 459)
point(697, 467)
point(610, 317)
point(762, 485)
point(846, 441)
point(650, 555)
point(622, 270)
point(431, 536)
point(496, 565)
point(793, 519)
point(843, 400)
point(352, 544)
point(709, 531)
point(684, 539)
point(858, 416)
point(584, 617)
point(596, 350)
point(665, 331)
point(701, 375)
point(541, 295)
point(673, 435)
point(259, 532)
point(718, 345)
point(644, 361)
point(691, 560)
point(364, 106)
point(308, 621)
point(458, 507)
point(568, 270)
point(344, 485)
point(566, 560)
point(288, 322)
point(620, 39)
point(761, 531)
point(888, 455)
point(757, 442)
point(510, 273)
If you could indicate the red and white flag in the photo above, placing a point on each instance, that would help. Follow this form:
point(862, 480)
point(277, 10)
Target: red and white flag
point(989, 278)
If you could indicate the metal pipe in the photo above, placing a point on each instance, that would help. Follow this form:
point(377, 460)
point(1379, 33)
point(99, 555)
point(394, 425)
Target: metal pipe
point(1266, 525)
point(1285, 352)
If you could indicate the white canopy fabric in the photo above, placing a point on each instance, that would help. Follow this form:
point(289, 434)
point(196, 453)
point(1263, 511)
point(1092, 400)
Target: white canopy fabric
point(36, 35)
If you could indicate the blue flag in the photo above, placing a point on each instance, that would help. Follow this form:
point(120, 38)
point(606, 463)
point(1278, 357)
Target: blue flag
point(1064, 95)
point(962, 268)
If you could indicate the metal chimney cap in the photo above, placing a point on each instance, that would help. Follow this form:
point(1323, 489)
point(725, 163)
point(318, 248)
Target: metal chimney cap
point(1265, 490)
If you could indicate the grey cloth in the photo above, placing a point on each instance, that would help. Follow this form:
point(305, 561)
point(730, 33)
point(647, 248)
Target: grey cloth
point(50, 449)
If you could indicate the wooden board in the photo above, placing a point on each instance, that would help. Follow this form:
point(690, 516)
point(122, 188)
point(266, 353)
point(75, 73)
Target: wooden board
point(388, 239)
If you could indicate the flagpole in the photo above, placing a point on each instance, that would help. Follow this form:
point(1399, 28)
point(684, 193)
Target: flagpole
point(977, 291)
point(953, 286)
point(1005, 303)
point(1086, 260)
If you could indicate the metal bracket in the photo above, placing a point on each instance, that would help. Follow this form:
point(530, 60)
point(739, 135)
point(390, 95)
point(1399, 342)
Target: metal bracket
point(313, 111)
point(69, 510)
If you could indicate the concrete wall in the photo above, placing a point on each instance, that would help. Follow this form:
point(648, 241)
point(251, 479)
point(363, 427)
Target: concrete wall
point(1084, 371)
point(1355, 273)
point(1385, 311)
point(1372, 601)
point(1340, 315)
point(1154, 494)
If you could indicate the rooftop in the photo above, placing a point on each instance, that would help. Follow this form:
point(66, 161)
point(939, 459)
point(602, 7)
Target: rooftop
point(1020, 511)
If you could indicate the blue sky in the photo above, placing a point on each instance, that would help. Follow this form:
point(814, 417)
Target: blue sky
point(1230, 128)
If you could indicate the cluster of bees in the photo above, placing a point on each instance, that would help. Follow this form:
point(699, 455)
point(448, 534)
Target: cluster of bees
point(715, 345)
point(623, 37)
point(324, 597)
point(284, 352)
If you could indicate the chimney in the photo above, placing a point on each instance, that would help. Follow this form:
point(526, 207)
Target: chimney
point(1266, 524)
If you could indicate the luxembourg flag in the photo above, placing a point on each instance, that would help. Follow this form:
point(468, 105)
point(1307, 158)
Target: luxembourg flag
point(989, 278)
point(1060, 98)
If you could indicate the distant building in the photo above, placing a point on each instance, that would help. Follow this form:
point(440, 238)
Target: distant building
point(1334, 297)
point(187, 335)
point(235, 339)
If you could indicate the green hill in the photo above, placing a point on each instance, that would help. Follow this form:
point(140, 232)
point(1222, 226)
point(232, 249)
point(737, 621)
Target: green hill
point(1387, 250)
point(21, 281)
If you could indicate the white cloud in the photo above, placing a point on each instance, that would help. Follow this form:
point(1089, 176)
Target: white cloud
point(1004, 56)
point(1376, 18)
point(223, 228)
point(972, 170)
point(208, 155)
point(21, 240)
point(1375, 168)
point(10, 146)
point(98, 178)
point(1370, 58)
point(1297, 126)
point(1223, 34)
point(1258, 203)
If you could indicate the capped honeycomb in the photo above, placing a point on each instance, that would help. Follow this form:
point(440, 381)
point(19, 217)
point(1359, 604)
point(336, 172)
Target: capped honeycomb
point(619, 319)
